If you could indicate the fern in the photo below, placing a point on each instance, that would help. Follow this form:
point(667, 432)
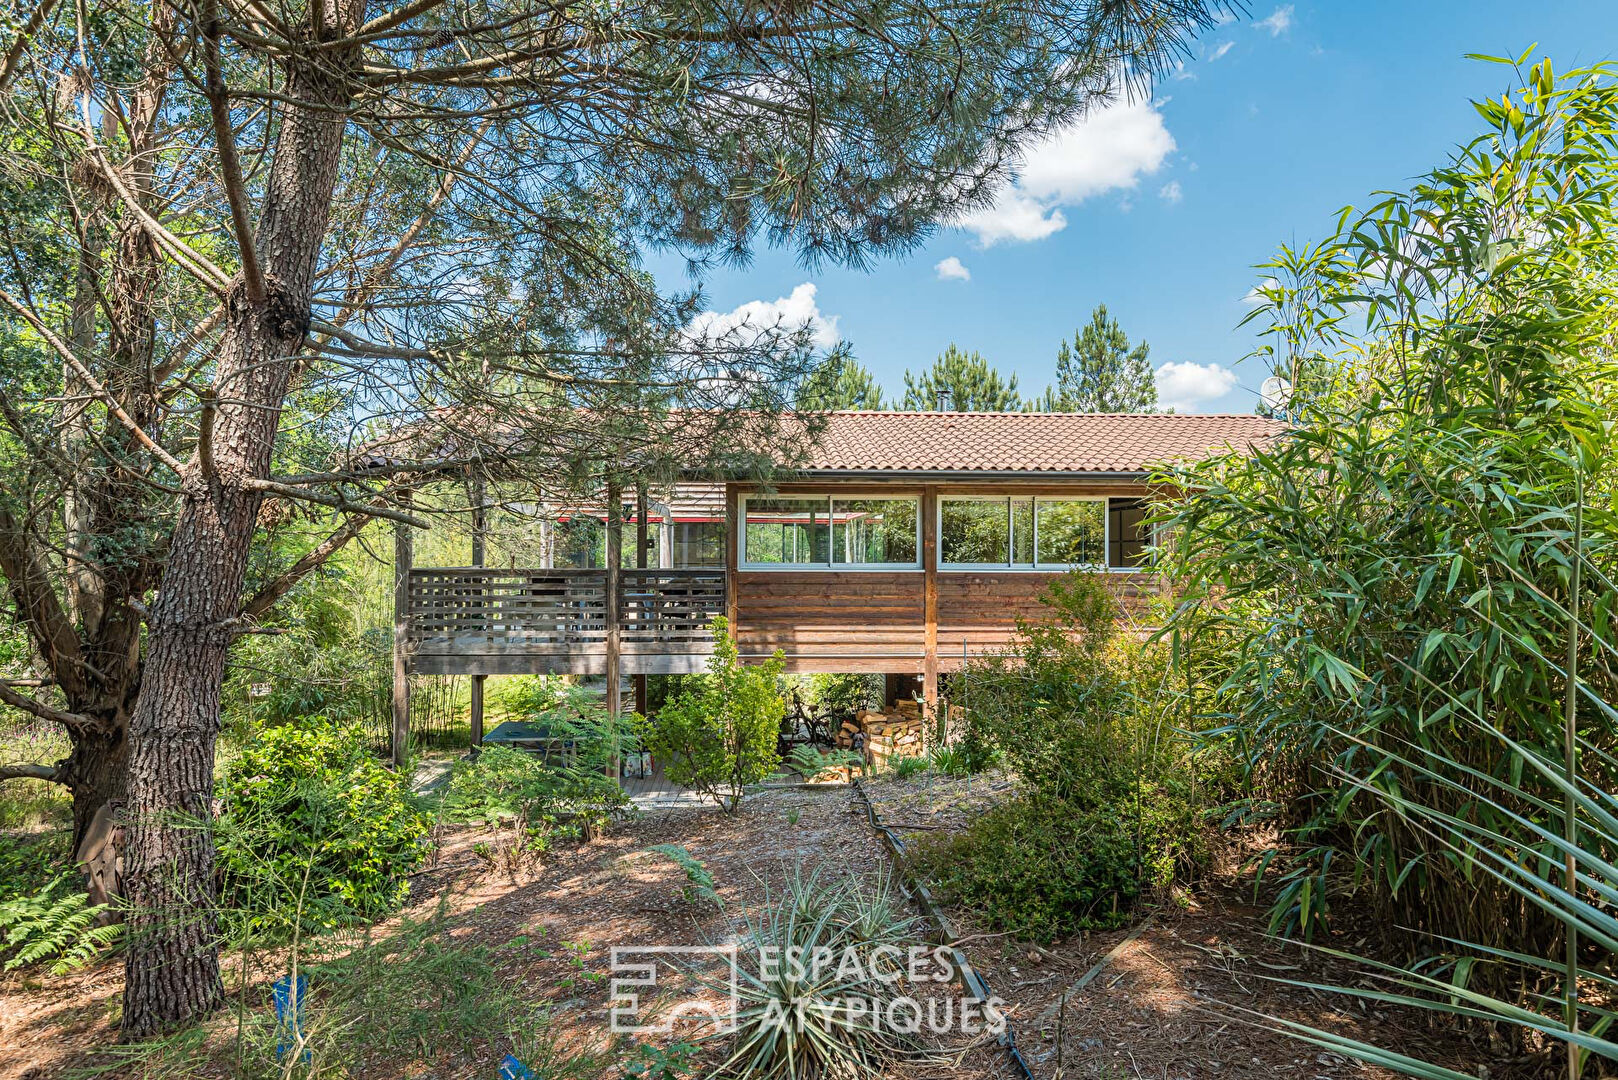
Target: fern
point(56, 925)
point(701, 883)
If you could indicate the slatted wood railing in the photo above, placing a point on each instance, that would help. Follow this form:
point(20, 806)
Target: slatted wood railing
point(476, 621)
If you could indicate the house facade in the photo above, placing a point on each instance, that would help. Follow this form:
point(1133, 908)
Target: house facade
point(903, 543)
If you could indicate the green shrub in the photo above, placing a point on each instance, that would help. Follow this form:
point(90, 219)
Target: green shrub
point(952, 761)
point(1113, 796)
point(810, 761)
point(719, 732)
point(906, 767)
point(540, 797)
point(315, 831)
point(1043, 869)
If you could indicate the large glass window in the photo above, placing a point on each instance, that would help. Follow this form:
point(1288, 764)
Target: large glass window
point(1070, 532)
point(974, 531)
point(1023, 532)
point(787, 532)
point(873, 531)
point(699, 543)
point(1127, 534)
point(822, 531)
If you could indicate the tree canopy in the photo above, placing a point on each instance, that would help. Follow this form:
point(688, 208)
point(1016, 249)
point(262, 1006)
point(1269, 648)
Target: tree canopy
point(842, 382)
point(972, 383)
point(1100, 372)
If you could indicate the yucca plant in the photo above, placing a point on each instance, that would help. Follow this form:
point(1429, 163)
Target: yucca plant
point(834, 1019)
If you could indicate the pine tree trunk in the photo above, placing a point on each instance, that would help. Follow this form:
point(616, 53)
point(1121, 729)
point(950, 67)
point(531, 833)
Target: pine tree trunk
point(95, 774)
point(171, 969)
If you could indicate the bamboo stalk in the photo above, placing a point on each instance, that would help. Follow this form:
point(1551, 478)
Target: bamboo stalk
point(1570, 714)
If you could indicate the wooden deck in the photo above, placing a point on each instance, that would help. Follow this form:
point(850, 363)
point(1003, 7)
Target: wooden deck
point(472, 621)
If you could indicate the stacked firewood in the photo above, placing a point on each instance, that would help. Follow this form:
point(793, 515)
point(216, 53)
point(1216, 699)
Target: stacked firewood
point(891, 733)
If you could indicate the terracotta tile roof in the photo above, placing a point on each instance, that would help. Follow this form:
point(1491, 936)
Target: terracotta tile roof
point(1026, 442)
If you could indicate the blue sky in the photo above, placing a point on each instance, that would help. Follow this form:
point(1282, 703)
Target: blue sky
point(1159, 210)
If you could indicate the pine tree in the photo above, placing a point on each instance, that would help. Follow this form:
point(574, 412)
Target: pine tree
point(436, 215)
point(973, 385)
point(842, 382)
point(1100, 373)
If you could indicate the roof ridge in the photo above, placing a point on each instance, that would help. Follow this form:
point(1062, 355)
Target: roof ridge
point(1033, 415)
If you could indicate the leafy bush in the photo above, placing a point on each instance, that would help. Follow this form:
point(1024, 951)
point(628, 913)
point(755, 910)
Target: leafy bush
point(540, 797)
point(315, 831)
point(1043, 868)
point(719, 732)
point(1112, 796)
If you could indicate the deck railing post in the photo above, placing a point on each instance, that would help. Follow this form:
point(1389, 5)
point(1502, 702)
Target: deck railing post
point(403, 552)
point(480, 529)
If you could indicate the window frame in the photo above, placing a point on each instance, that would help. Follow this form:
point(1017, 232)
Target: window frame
point(831, 566)
point(1036, 567)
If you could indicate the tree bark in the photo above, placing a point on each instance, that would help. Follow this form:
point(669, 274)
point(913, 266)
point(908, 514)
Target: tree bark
point(171, 969)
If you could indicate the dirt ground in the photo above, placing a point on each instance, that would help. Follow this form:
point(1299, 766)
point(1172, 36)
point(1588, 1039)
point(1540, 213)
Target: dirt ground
point(1185, 996)
point(1167, 1004)
point(554, 925)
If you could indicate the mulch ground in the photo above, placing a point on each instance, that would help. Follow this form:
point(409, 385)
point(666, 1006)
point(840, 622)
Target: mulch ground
point(1176, 1000)
point(1186, 996)
point(553, 923)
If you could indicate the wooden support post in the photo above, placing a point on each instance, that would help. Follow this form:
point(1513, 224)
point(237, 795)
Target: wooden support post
point(642, 536)
point(733, 527)
point(403, 552)
point(929, 568)
point(615, 558)
point(480, 530)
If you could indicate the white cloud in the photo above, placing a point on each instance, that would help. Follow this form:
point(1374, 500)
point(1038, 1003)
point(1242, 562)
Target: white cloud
point(783, 315)
point(1277, 22)
point(1170, 192)
point(1224, 18)
point(1108, 150)
point(1223, 48)
point(952, 269)
point(1255, 296)
point(1184, 386)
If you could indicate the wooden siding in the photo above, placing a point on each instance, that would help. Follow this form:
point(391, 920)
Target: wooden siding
point(867, 620)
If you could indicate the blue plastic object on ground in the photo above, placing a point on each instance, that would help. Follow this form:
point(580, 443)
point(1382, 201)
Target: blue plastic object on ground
point(289, 1013)
point(512, 1069)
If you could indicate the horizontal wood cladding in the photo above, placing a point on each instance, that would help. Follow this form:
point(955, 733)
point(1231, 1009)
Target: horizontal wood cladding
point(874, 621)
point(827, 616)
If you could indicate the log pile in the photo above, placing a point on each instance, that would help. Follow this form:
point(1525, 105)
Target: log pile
point(892, 733)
